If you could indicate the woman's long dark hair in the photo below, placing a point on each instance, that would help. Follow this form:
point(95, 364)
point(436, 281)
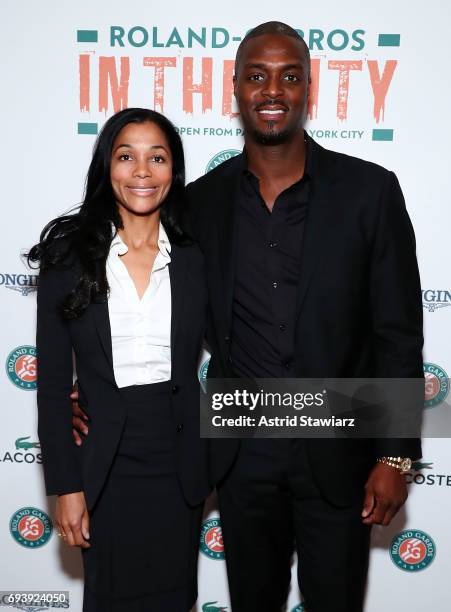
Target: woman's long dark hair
point(87, 234)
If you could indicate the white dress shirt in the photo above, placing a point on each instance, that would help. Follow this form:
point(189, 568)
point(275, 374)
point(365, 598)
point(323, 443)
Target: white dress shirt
point(140, 328)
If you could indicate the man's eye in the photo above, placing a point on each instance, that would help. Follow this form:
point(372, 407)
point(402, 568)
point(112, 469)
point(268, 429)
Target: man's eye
point(255, 77)
point(291, 77)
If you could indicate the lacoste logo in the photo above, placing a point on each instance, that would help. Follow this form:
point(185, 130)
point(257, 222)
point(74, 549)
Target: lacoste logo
point(210, 606)
point(22, 443)
point(420, 465)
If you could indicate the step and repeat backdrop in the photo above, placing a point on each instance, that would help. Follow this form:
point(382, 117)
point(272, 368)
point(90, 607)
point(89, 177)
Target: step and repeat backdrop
point(381, 90)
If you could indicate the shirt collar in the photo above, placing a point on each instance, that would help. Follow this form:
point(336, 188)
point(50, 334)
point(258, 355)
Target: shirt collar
point(308, 168)
point(119, 247)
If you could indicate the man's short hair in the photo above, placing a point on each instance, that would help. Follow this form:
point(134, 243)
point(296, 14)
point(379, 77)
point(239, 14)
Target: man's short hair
point(272, 27)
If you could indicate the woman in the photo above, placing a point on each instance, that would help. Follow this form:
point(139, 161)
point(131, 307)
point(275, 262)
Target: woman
point(122, 288)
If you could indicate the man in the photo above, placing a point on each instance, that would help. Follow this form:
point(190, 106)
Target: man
point(311, 266)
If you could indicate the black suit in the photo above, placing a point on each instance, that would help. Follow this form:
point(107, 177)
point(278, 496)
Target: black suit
point(142, 458)
point(359, 311)
point(90, 338)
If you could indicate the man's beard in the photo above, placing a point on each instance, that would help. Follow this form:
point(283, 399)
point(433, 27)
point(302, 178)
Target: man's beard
point(270, 137)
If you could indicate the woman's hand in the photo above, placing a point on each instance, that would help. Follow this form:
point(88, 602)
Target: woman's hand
point(73, 519)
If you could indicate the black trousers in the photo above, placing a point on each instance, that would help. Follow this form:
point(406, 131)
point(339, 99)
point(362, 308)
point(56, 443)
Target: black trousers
point(144, 536)
point(269, 507)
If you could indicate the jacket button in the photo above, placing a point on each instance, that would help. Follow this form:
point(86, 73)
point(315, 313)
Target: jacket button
point(226, 338)
point(179, 427)
point(175, 389)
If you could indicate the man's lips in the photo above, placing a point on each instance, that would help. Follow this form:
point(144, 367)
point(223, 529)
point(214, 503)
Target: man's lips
point(271, 111)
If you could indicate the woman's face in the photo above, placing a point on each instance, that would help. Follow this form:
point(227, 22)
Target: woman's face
point(141, 168)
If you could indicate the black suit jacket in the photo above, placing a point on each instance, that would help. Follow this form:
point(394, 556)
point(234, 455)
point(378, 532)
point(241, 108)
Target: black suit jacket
point(359, 309)
point(68, 468)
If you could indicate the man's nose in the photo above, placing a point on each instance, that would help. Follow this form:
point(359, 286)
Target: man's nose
point(272, 87)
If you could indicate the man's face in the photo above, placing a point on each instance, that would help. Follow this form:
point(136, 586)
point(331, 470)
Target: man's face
point(271, 87)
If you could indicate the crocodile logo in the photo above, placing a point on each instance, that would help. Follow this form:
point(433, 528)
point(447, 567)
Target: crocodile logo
point(21, 443)
point(420, 465)
point(210, 606)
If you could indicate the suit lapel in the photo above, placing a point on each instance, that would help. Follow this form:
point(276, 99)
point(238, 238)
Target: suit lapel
point(317, 222)
point(226, 229)
point(102, 321)
point(178, 269)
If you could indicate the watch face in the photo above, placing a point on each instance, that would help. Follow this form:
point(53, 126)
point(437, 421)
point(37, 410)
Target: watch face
point(406, 464)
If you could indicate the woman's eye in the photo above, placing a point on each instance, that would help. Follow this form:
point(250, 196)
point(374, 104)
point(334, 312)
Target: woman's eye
point(125, 156)
point(158, 158)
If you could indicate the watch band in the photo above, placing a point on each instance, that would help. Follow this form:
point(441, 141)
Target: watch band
point(403, 464)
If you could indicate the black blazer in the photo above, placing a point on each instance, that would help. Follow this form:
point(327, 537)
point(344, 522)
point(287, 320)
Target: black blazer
point(359, 309)
point(68, 468)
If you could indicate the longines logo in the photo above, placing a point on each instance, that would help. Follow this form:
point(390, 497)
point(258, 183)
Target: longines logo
point(416, 476)
point(25, 608)
point(433, 299)
point(25, 451)
point(23, 283)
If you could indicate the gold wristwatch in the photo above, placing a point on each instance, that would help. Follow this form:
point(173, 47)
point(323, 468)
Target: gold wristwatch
point(403, 464)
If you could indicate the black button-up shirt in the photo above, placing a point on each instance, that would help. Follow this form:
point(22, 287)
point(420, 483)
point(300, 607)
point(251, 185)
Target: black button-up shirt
point(267, 273)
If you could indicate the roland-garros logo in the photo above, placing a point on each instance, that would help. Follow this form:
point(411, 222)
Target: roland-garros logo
point(31, 527)
point(412, 550)
point(436, 385)
point(211, 543)
point(202, 374)
point(221, 157)
point(21, 367)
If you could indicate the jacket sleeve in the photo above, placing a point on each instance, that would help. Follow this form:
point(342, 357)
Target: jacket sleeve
point(396, 306)
point(62, 471)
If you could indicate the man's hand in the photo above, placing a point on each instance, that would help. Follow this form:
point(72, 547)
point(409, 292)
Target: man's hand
point(73, 519)
point(385, 493)
point(79, 419)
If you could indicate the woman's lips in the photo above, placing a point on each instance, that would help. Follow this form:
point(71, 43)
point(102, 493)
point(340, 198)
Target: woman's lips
point(142, 191)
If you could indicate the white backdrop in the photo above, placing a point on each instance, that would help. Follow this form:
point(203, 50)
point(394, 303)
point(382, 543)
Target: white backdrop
point(382, 91)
